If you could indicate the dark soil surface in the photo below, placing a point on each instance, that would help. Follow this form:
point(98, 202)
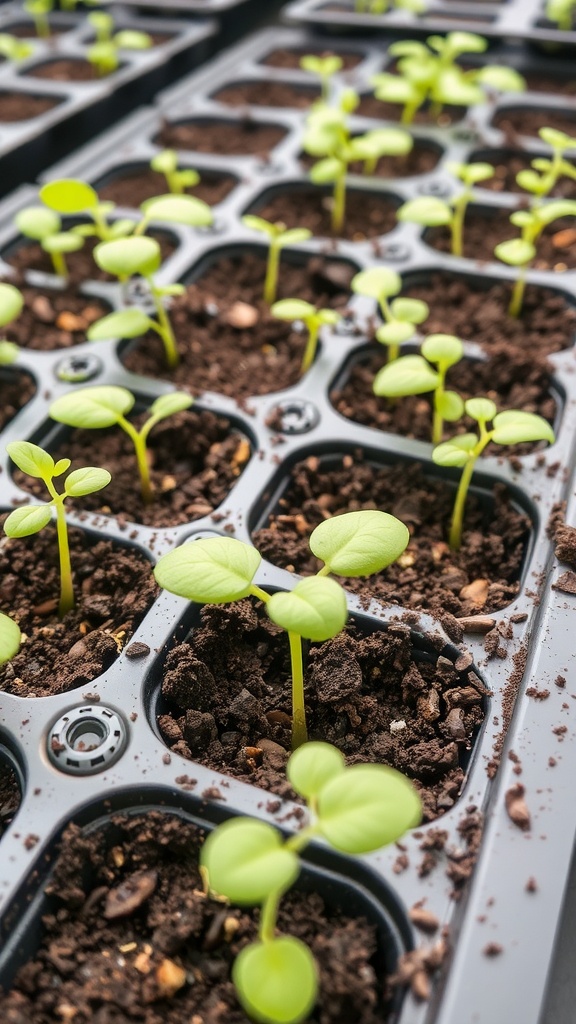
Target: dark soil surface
point(226, 337)
point(9, 795)
point(227, 138)
point(21, 106)
point(26, 30)
point(461, 306)
point(550, 83)
point(507, 164)
point(51, 319)
point(194, 462)
point(267, 94)
point(483, 230)
point(28, 255)
point(512, 379)
point(369, 106)
point(368, 214)
point(482, 577)
point(16, 389)
point(133, 186)
point(65, 70)
point(229, 688)
point(422, 159)
point(515, 121)
point(114, 588)
point(115, 968)
point(289, 58)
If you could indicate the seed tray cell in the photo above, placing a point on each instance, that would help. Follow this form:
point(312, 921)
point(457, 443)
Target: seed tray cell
point(234, 18)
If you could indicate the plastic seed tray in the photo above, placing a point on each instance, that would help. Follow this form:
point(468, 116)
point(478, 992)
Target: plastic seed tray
point(501, 932)
point(235, 18)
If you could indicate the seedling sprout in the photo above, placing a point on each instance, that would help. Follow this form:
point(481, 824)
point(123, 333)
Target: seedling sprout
point(219, 570)
point(10, 638)
point(13, 48)
point(104, 53)
point(99, 407)
point(39, 11)
point(543, 175)
point(29, 519)
point(45, 226)
point(432, 212)
point(324, 67)
point(70, 196)
point(11, 304)
point(401, 316)
point(510, 427)
point(177, 181)
point(279, 237)
point(356, 810)
point(314, 319)
point(562, 12)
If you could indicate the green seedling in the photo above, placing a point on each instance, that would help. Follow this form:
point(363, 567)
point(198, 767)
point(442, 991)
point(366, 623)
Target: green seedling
point(561, 12)
point(29, 519)
point(428, 73)
point(177, 181)
point(13, 48)
point(39, 11)
point(107, 406)
point(519, 252)
point(413, 375)
point(431, 212)
point(401, 316)
point(246, 861)
point(324, 67)
point(45, 227)
point(10, 638)
point(314, 319)
point(279, 237)
point(382, 6)
point(11, 305)
point(510, 427)
point(104, 53)
point(544, 173)
point(220, 570)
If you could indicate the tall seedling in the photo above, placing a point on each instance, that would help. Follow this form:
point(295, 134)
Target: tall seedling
point(279, 237)
point(401, 317)
point(431, 212)
point(519, 252)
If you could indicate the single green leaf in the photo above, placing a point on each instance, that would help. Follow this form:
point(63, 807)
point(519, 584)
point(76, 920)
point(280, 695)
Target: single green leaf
point(395, 333)
point(246, 860)
point(557, 140)
point(63, 241)
point(11, 303)
point(386, 141)
point(93, 407)
point(450, 406)
point(393, 89)
point(410, 375)
point(443, 348)
point(359, 543)
point(294, 236)
point(376, 283)
point(312, 765)
point(464, 42)
point(412, 311)
point(516, 252)
point(323, 66)
point(174, 209)
point(61, 466)
point(259, 224)
point(481, 409)
point(276, 981)
point(455, 452)
point(86, 481)
point(8, 352)
point(366, 807)
point(501, 78)
point(523, 218)
point(514, 426)
point(37, 222)
point(127, 323)
point(124, 257)
point(213, 570)
point(130, 39)
point(170, 404)
point(529, 180)
point(10, 638)
point(315, 609)
point(293, 309)
point(31, 459)
point(29, 519)
point(428, 211)
point(121, 228)
point(556, 208)
point(326, 171)
point(68, 195)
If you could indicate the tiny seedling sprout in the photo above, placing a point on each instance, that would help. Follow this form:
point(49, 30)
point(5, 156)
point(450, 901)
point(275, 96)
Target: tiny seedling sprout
point(413, 375)
point(99, 407)
point(219, 570)
point(544, 173)
point(10, 638)
point(177, 180)
point(432, 212)
point(383, 6)
point(510, 427)
point(39, 11)
point(401, 316)
point(45, 226)
point(314, 319)
point(325, 67)
point(29, 519)
point(279, 237)
point(246, 861)
point(68, 196)
point(104, 53)
point(561, 12)
point(13, 48)
point(11, 304)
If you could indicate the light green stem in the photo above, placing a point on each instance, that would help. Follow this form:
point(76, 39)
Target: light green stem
point(164, 329)
point(311, 345)
point(339, 203)
point(139, 443)
point(258, 592)
point(457, 223)
point(59, 264)
point(269, 911)
point(455, 538)
point(515, 307)
point(271, 281)
point(299, 731)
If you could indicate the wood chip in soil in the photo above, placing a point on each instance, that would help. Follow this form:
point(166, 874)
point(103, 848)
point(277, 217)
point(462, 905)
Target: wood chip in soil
point(227, 703)
point(114, 588)
point(54, 319)
point(480, 578)
point(195, 459)
point(169, 960)
point(227, 339)
point(24, 255)
point(244, 137)
point(135, 185)
point(484, 230)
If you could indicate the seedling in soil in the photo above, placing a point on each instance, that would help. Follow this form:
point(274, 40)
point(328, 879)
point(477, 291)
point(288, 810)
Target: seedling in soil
point(29, 519)
point(177, 181)
point(382, 6)
point(544, 174)
point(13, 48)
point(279, 237)
point(428, 73)
point(246, 861)
point(219, 570)
point(519, 252)
point(11, 303)
point(401, 316)
point(45, 226)
point(39, 11)
point(413, 375)
point(99, 407)
point(432, 212)
point(510, 427)
point(314, 319)
point(324, 67)
point(10, 638)
point(561, 12)
point(104, 53)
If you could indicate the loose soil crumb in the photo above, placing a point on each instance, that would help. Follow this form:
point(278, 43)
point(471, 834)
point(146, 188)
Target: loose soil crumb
point(509, 699)
point(563, 536)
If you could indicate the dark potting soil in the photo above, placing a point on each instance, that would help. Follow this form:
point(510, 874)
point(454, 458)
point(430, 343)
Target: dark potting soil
point(64, 70)
point(228, 693)
point(559, 86)
point(289, 58)
point(133, 186)
point(16, 389)
point(482, 577)
point(9, 795)
point(227, 338)
point(368, 214)
point(515, 121)
point(51, 319)
point(483, 231)
point(422, 159)
point(369, 106)
point(461, 306)
point(512, 379)
point(27, 255)
point(267, 94)
point(507, 164)
point(26, 30)
point(114, 587)
point(131, 936)
point(227, 138)
point(194, 461)
point(21, 106)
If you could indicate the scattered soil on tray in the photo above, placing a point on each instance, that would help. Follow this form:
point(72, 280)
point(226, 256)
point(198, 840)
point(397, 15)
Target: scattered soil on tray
point(368, 214)
point(288, 58)
point(21, 106)
point(114, 588)
point(133, 186)
point(229, 685)
point(227, 339)
point(482, 577)
point(422, 159)
point(369, 106)
point(10, 796)
point(461, 306)
point(195, 460)
point(512, 379)
point(559, 86)
point(515, 121)
point(51, 319)
point(117, 968)
point(507, 164)
point(267, 94)
point(16, 389)
point(227, 138)
point(65, 70)
point(483, 231)
point(27, 255)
